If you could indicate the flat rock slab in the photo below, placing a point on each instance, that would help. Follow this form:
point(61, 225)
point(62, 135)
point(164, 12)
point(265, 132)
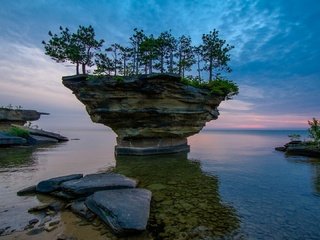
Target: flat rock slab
point(97, 182)
point(43, 133)
point(34, 139)
point(126, 211)
point(54, 184)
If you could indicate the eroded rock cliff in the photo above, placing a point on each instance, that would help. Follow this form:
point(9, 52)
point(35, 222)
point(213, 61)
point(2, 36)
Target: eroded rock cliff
point(149, 113)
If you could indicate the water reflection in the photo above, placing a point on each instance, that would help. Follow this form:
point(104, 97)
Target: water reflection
point(23, 156)
point(316, 177)
point(314, 164)
point(16, 157)
point(185, 203)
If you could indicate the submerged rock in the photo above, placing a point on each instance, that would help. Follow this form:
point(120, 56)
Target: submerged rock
point(27, 190)
point(53, 184)
point(151, 114)
point(97, 182)
point(124, 210)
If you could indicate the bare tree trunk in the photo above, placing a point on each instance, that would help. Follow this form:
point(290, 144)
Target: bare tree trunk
point(199, 71)
point(182, 72)
point(161, 64)
point(77, 68)
point(83, 68)
point(180, 60)
point(115, 62)
point(137, 61)
point(171, 62)
point(210, 69)
point(134, 62)
point(150, 66)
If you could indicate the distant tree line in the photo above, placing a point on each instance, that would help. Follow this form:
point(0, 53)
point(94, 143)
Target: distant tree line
point(144, 54)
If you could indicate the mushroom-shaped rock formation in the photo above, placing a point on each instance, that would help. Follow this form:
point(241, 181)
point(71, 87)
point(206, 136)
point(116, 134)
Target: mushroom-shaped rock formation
point(17, 116)
point(151, 114)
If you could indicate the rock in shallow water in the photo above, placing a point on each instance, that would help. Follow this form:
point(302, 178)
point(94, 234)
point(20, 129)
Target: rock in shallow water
point(97, 182)
point(151, 114)
point(34, 139)
point(27, 190)
point(53, 184)
point(124, 210)
point(78, 207)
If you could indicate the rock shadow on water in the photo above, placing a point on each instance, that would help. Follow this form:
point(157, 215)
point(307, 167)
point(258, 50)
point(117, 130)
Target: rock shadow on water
point(185, 202)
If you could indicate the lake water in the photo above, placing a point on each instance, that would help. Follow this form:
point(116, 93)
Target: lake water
point(231, 185)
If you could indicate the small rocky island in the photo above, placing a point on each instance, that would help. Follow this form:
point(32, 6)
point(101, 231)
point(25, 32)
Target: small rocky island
point(300, 148)
point(14, 133)
point(10, 116)
point(151, 114)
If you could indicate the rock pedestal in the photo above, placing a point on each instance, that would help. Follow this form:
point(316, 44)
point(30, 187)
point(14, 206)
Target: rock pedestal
point(151, 114)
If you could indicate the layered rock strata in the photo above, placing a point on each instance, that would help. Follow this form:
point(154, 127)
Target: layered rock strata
point(151, 114)
point(17, 116)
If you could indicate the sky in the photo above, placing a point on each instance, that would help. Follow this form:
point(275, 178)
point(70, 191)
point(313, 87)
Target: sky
point(275, 62)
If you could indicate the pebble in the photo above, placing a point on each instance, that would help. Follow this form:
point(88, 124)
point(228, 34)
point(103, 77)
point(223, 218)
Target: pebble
point(45, 220)
point(65, 237)
point(49, 228)
point(50, 213)
point(39, 208)
point(33, 221)
point(35, 231)
point(55, 222)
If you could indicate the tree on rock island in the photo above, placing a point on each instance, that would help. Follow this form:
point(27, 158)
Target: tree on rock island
point(77, 48)
point(147, 54)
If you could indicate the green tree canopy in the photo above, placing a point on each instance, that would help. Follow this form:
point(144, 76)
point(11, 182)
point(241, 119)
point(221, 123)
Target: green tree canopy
point(77, 48)
point(215, 53)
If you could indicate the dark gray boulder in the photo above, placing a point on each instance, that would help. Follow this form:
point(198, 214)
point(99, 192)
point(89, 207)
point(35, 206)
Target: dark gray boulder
point(79, 208)
point(97, 182)
point(126, 211)
point(53, 184)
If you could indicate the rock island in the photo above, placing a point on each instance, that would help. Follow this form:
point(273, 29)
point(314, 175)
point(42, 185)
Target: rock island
point(151, 114)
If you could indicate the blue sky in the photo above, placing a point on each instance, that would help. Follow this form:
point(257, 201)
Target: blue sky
point(276, 59)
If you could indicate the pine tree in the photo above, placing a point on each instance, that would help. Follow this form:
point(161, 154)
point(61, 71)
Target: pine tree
point(78, 48)
point(215, 53)
point(186, 56)
point(136, 40)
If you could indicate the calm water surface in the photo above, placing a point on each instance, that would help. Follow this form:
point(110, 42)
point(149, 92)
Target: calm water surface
point(234, 177)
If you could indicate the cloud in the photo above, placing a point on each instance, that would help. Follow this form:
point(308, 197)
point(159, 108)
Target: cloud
point(235, 105)
point(240, 120)
point(29, 78)
point(275, 60)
